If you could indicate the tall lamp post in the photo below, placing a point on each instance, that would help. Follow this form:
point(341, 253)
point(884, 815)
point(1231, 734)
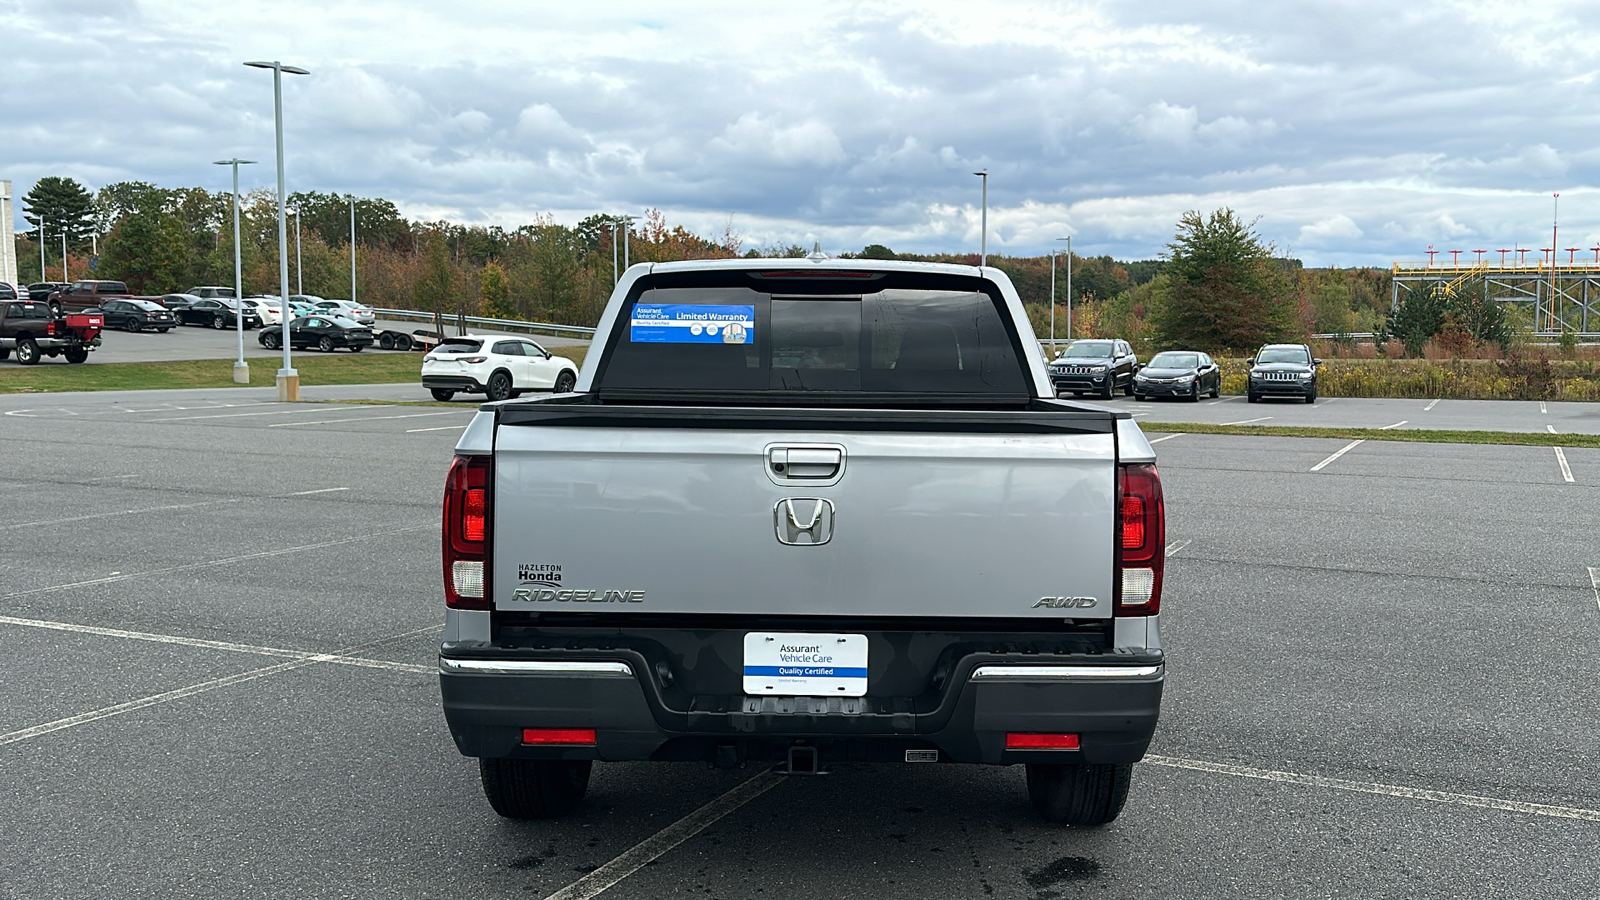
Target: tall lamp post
point(288, 378)
point(352, 248)
point(983, 237)
point(299, 273)
point(627, 226)
point(1053, 293)
point(43, 276)
point(241, 369)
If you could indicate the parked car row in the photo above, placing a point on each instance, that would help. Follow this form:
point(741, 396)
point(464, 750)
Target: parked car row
point(1103, 366)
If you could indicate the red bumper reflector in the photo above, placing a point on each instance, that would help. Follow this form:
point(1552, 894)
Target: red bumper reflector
point(578, 736)
point(1034, 741)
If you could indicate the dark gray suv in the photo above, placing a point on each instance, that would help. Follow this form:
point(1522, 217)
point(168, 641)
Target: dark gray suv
point(1099, 366)
point(1283, 370)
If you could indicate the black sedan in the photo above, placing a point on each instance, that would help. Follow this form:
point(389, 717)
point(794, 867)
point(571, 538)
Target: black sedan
point(1178, 373)
point(216, 312)
point(326, 333)
point(137, 315)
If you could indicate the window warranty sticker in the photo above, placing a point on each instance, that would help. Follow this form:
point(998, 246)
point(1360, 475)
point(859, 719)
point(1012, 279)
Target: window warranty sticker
point(684, 323)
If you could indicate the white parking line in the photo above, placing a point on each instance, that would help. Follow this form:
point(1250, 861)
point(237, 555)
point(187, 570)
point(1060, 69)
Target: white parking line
point(1223, 400)
point(107, 515)
point(1383, 790)
point(1594, 579)
point(372, 418)
point(1566, 471)
point(1168, 437)
point(317, 491)
point(653, 847)
point(1174, 546)
point(118, 709)
point(1542, 407)
point(1342, 451)
point(113, 579)
point(1395, 425)
point(1432, 405)
point(1550, 428)
point(1248, 421)
point(439, 428)
point(273, 412)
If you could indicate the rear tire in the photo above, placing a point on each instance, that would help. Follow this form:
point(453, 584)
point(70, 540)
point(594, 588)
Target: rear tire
point(271, 340)
point(536, 788)
point(27, 351)
point(218, 323)
point(442, 395)
point(76, 354)
point(1085, 796)
point(499, 387)
point(326, 344)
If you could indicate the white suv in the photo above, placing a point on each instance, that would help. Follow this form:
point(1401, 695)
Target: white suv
point(498, 367)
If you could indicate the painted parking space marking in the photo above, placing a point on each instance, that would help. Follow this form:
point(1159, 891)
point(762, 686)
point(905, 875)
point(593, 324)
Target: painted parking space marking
point(1223, 400)
point(1542, 407)
point(1594, 579)
point(1550, 428)
point(318, 491)
point(118, 709)
point(265, 554)
point(1432, 405)
point(108, 515)
point(1395, 425)
point(657, 845)
point(1168, 437)
point(1342, 451)
point(436, 428)
point(1561, 460)
point(1382, 790)
point(270, 412)
point(1248, 421)
point(1174, 546)
point(451, 412)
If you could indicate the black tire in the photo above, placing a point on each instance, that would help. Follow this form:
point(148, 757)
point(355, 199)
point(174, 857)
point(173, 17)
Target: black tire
point(326, 344)
point(1311, 397)
point(385, 342)
point(356, 348)
point(1216, 391)
point(76, 355)
point(55, 310)
point(1138, 397)
point(5, 352)
point(162, 330)
point(27, 351)
point(1195, 396)
point(271, 340)
point(1127, 389)
point(1085, 796)
point(565, 382)
point(1253, 397)
point(218, 323)
point(535, 788)
point(499, 387)
point(1110, 389)
point(402, 342)
point(129, 326)
point(441, 395)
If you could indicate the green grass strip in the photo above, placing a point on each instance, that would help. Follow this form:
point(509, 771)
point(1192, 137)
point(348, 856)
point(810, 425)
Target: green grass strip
point(1414, 436)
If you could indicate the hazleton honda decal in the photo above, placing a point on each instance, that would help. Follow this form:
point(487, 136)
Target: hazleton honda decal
point(539, 573)
point(548, 595)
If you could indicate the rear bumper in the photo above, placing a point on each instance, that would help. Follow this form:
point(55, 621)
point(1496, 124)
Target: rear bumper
point(1111, 703)
point(453, 382)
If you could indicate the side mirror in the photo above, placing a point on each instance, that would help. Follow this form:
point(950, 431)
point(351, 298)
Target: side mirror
point(1316, 362)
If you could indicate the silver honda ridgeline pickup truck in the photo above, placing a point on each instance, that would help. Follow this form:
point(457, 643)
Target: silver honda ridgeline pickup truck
point(800, 512)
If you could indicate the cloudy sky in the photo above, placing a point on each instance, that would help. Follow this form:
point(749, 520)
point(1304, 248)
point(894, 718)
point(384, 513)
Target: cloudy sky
point(1358, 131)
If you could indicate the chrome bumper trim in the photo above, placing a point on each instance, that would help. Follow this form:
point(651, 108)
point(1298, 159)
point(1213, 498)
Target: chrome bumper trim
point(1069, 673)
point(572, 668)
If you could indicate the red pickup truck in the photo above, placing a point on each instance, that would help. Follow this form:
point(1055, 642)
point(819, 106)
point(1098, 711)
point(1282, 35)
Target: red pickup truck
point(82, 295)
point(34, 331)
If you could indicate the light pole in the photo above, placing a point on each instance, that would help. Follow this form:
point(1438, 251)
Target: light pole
point(1555, 221)
point(627, 225)
point(43, 276)
point(1068, 239)
point(1053, 292)
point(288, 378)
point(983, 238)
point(613, 254)
point(65, 277)
point(241, 369)
point(352, 248)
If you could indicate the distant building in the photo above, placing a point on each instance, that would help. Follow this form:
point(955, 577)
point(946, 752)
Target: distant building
point(8, 237)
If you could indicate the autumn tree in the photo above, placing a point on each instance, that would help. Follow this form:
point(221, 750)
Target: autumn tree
point(494, 292)
point(1225, 290)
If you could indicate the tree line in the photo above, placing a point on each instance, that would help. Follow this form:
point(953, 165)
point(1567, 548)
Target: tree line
point(1217, 287)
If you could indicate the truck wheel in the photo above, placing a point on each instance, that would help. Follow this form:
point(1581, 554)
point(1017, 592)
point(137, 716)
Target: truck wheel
point(565, 382)
point(1080, 795)
point(75, 354)
point(402, 342)
point(385, 341)
point(27, 351)
point(442, 395)
point(534, 788)
point(499, 386)
point(326, 344)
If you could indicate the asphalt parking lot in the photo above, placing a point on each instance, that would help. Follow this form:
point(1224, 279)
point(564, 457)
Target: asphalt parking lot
point(220, 614)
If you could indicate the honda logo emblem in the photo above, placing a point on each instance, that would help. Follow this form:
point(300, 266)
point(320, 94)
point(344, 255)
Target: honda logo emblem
point(803, 521)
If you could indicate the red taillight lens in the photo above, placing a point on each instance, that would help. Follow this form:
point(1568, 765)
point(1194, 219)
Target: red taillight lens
point(1016, 740)
point(1142, 540)
point(582, 737)
point(50, 327)
point(465, 532)
point(474, 360)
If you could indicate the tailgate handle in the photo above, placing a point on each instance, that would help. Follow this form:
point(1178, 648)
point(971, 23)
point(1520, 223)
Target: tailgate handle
point(805, 462)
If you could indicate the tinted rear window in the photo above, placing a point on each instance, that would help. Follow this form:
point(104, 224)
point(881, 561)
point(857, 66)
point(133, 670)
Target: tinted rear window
point(111, 287)
point(741, 332)
point(29, 311)
point(458, 346)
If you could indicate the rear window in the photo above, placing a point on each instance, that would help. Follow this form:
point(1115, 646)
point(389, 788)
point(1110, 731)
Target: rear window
point(861, 334)
point(29, 311)
point(456, 345)
point(111, 287)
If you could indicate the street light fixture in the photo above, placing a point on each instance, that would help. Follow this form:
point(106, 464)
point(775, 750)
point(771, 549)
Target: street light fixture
point(352, 248)
point(241, 369)
point(983, 238)
point(288, 378)
point(627, 225)
point(1053, 293)
point(299, 272)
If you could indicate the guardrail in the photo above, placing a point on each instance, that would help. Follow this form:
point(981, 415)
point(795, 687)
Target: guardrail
point(411, 315)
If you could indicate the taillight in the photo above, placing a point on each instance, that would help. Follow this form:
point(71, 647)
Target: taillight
point(50, 327)
point(1025, 740)
point(580, 737)
point(474, 360)
point(1141, 540)
point(466, 532)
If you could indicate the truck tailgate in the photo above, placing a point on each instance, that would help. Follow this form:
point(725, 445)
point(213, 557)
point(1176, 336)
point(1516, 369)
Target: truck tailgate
point(725, 520)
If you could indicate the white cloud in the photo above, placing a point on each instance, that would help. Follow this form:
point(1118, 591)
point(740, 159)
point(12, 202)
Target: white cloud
point(758, 137)
point(1331, 231)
